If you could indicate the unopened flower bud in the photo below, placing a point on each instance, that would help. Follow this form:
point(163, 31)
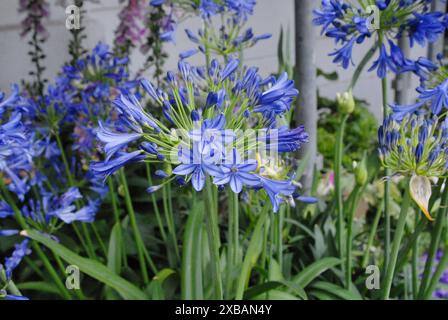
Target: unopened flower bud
point(361, 174)
point(346, 102)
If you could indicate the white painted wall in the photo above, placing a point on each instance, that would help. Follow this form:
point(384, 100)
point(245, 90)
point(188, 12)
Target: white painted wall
point(102, 20)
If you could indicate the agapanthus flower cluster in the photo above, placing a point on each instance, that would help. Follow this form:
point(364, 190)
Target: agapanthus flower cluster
point(416, 147)
point(222, 126)
point(226, 39)
point(433, 94)
point(83, 93)
point(352, 22)
point(16, 152)
point(131, 30)
point(29, 161)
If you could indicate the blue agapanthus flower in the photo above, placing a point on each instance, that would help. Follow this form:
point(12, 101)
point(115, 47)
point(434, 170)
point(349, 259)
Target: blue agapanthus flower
point(11, 100)
point(387, 21)
point(220, 128)
point(238, 173)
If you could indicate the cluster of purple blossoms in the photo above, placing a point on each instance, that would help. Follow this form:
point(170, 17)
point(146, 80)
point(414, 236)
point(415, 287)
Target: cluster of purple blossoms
point(389, 20)
point(131, 30)
point(221, 124)
point(36, 11)
point(39, 175)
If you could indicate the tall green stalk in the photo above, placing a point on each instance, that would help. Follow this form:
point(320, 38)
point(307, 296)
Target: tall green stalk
point(137, 235)
point(385, 99)
point(169, 217)
point(398, 236)
point(155, 206)
point(373, 229)
point(212, 228)
point(338, 183)
point(114, 201)
point(89, 248)
point(415, 261)
point(235, 228)
point(435, 241)
point(233, 257)
point(349, 243)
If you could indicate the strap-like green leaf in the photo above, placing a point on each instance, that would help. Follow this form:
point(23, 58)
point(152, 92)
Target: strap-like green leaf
point(91, 268)
point(271, 285)
point(251, 256)
point(310, 273)
point(114, 254)
point(339, 292)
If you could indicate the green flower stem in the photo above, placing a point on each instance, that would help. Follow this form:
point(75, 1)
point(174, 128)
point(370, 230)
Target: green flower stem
point(384, 91)
point(236, 228)
point(399, 231)
point(272, 247)
point(435, 242)
point(52, 272)
point(155, 206)
point(264, 252)
point(60, 264)
point(99, 239)
point(373, 229)
point(214, 242)
point(89, 248)
point(338, 183)
point(415, 260)
point(138, 238)
point(169, 217)
point(280, 217)
point(233, 239)
point(116, 211)
point(348, 261)
point(206, 47)
point(403, 257)
point(361, 66)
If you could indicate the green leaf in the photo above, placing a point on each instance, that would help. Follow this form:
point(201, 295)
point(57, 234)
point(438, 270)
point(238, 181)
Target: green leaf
point(39, 286)
point(276, 295)
point(322, 295)
point(339, 292)
point(155, 288)
point(91, 268)
point(114, 254)
point(329, 76)
point(251, 257)
point(280, 54)
point(266, 287)
point(310, 273)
